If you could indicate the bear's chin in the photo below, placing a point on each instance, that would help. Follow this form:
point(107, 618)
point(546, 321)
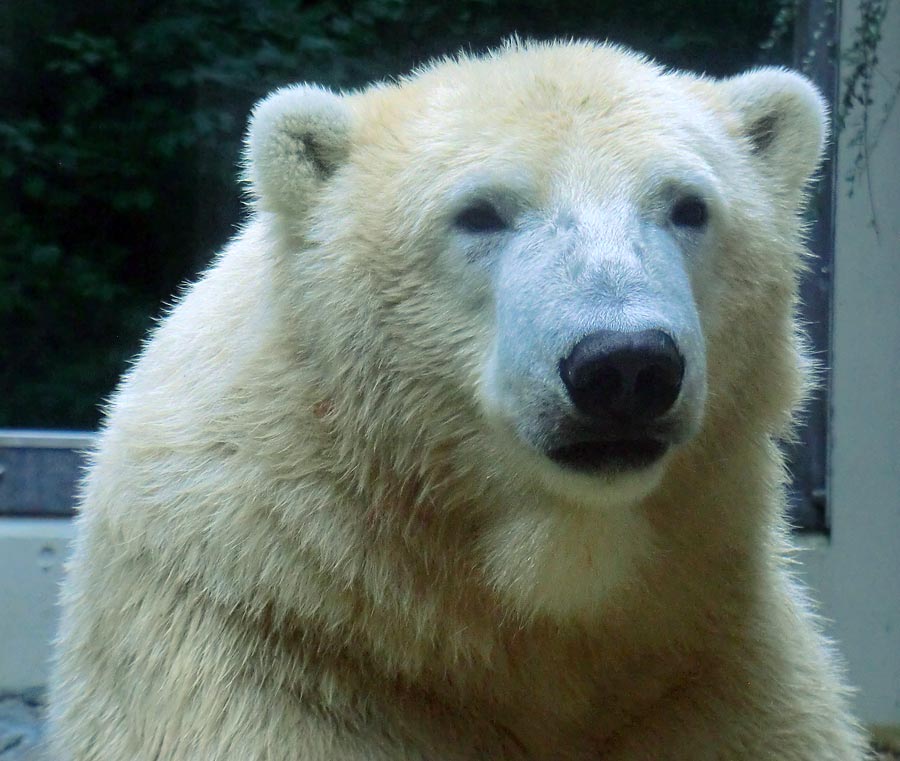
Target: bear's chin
point(607, 482)
point(589, 475)
point(602, 488)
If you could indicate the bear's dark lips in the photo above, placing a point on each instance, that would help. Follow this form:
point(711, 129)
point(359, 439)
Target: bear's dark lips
point(608, 456)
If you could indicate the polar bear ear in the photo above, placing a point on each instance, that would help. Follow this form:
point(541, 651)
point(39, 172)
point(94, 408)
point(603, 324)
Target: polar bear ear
point(784, 120)
point(298, 137)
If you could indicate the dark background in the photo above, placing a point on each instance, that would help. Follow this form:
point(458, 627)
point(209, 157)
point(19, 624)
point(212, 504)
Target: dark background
point(120, 133)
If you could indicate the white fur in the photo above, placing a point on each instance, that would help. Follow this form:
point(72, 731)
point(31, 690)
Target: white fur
point(797, 110)
point(319, 524)
point(297, 136)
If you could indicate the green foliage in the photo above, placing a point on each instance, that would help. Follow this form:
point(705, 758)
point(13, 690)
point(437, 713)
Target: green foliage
point(120, 137)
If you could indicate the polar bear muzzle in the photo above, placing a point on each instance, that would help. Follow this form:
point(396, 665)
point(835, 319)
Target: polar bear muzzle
point(622, 383)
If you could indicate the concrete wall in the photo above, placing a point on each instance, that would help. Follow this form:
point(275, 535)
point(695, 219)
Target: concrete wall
point(856, 575)
point(32, 552)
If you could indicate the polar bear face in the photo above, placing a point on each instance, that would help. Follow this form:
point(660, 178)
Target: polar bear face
point(596, 364)
point(596, 367)
point(542, 258)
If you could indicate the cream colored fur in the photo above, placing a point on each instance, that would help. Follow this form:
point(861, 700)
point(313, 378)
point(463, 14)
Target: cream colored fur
point(304, 537)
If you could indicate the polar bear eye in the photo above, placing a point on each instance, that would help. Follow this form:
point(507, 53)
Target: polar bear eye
point(690, 211)
point(480, 217)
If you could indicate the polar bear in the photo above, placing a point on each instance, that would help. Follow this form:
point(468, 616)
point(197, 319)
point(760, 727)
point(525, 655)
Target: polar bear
point(465, 447)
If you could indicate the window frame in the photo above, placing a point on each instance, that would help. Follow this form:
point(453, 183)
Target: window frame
point(816, 42)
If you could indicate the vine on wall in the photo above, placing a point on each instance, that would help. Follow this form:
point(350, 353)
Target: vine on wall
point(855, 109)
point(861, 70)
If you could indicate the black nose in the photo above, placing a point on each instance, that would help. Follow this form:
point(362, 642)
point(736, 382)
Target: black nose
point(627, 377)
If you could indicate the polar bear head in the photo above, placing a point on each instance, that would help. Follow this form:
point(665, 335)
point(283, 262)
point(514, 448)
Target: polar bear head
point(558, 271)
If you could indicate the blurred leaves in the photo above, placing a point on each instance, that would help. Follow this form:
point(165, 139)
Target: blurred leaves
point(120, 131)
